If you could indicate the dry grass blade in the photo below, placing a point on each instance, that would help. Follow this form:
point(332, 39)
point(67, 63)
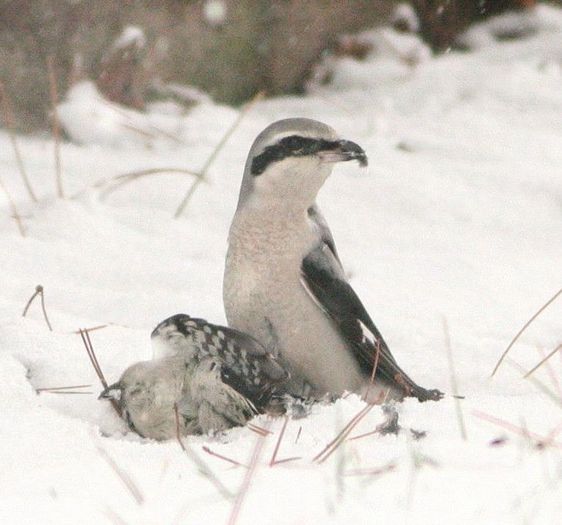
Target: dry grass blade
point(539, 384)
point(92, 329)
point(375, 471)
point(453, 378)
point(9, 123)
point(333, 445)
point(543, 361)
point(73, 387)
point(364, 435)
point(42, 296)
point(123, 476)
point(243, 491)
point(258, 430)
point(224, 458)
point(55, 124)
point(298, 435)
point(525, 326)
point(542, 440)
point(278, 444)
point(203, 173)
point(551, 373)
point(41, 293)
point(118, 181)
point(95, 364)
point(14, 211)
point(63, 390)
point(69, 392)
point(199, 463)
point(154, 130)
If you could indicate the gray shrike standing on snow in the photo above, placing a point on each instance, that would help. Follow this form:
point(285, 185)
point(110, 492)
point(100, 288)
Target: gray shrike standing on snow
point(284, 283)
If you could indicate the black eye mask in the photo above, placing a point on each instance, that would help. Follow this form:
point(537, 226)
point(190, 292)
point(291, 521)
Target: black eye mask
point(293, 146)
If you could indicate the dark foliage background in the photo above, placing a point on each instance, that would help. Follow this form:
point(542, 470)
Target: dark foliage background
point(261, 45)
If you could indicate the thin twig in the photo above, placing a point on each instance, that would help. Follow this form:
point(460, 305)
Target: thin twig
point(9, 122)
point(278, 444)
point(14, 211)
point(543, 361)
point(542, 440)
point(332, 446)
point(123, 476)
point(61, 387)
point(224, 458)
point(202, 467)
point(551, 373)
point(55, 124)
point(133, 127)
point(95, 364)
point(38, 292)
point(93, 329)
point(375, 471)
point(243, 112)
point(259, 430)
point(540, 310)
point(63, 390)
point(539, 384)
point(42, 294)
point(453, 378)
point(364, 435)
point(66, 392)
point(243, 491)
point(125, 178)
point(298, 435)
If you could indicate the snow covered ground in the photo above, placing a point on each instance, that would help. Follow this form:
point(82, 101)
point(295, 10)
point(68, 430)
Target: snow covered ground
point(458, 217)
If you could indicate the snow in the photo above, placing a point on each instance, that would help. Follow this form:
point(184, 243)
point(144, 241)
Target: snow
point(457, 217)
point(130, 36)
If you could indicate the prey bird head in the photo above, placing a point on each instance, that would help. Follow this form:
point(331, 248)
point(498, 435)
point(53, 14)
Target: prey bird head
point(292, 158)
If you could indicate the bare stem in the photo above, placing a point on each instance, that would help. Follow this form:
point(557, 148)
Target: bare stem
point(9, 122)
point(543, 361)
point(243, 491)
point(539, 384)
point(38, 292)
point(123, 476)
point(203, 173)
point(42, 295)
point(224, 458)
point(333, 445)
point(540, 310)
point(116, 182)
point(453, 376)
point(522, 431)
point(14, 210)
point(97, 368)
point(278, 444)
point(199, 463)
point(55, 124)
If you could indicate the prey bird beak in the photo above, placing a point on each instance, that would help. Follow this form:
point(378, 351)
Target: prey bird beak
point(111, 392)
point(343, 151)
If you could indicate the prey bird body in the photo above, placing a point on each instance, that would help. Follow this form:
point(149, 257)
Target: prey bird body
point(213, 377)
point(284, 283)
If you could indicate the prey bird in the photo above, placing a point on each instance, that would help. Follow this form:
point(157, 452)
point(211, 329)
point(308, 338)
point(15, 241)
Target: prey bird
point(204, 378)
point(284, 283)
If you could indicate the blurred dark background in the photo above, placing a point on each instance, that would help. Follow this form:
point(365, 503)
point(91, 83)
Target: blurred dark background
point(229, 48)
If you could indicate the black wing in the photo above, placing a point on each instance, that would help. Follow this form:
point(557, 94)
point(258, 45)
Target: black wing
point(323, 278)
